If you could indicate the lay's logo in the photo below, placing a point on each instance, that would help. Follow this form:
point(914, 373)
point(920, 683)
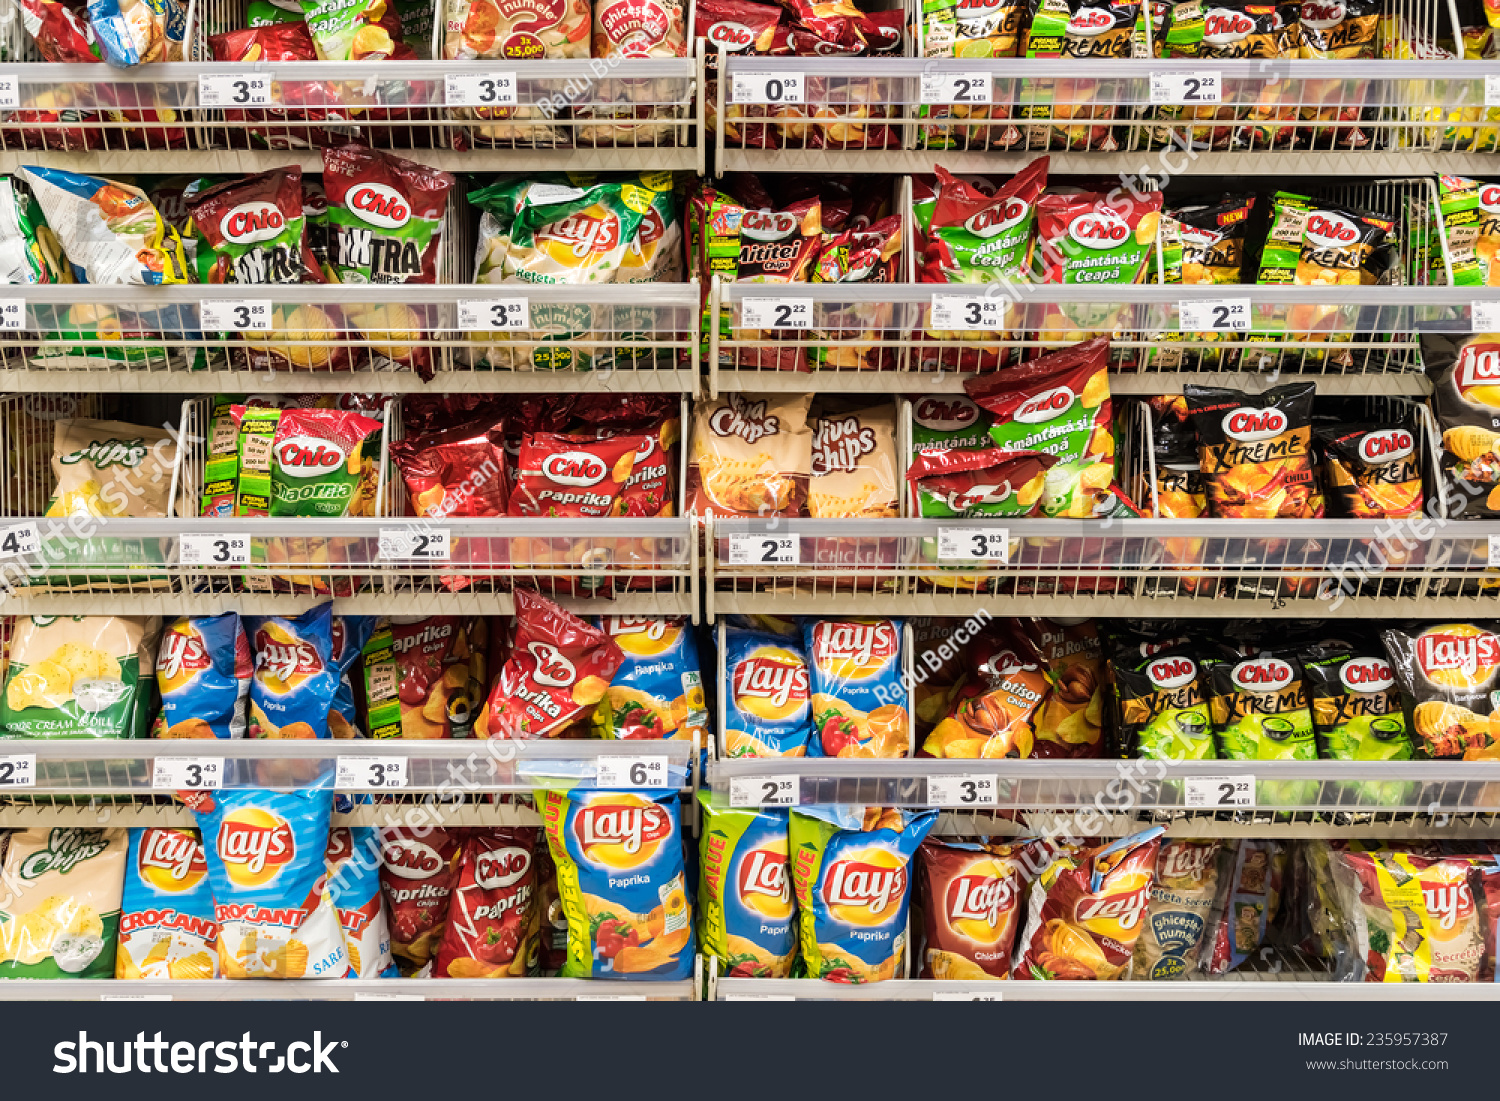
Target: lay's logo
point(1461, 656)
point(171, 861)
point(771, 684)
point(287, 664)
point(1262, 675)
point(976, 904)
point(867, 889)
point(643, 636)
point(1366, 675)
point(764, 885)
point(1118, 911)
point(255, 844)
point(181, 656)
point(854, 650)
point(1478, 365)
point(622, 831)
point(583, 235)
point(1449, 902)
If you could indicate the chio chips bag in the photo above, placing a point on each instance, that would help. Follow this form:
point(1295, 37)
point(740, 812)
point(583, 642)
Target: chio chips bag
point(767, 697)
point(852, 874)
point(167, 924)
point(1260, 707)
point(858, 704)
point(492, 921)
point(1358, 716)
point(203, 671)
point(419, 678)
point(746, 917)
point(418, 870)
point(622, 881)
point(1371, 471)
point(658, 690)
point(970, 899)
point(1163, 707)
point(1255, 452)
point(60, 915)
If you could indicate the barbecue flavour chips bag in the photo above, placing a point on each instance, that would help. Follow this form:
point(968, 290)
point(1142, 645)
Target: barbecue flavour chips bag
point(1448, 675)
point(1465, 373)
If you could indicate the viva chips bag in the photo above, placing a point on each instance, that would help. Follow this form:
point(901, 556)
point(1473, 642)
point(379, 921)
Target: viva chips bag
point(60, 914)
point(622, 881)
point(745, 911)
point(167, 925)
point(852, 872)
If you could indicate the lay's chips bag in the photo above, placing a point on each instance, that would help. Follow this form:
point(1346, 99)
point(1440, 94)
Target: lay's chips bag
point(167, 925)
point(622, 881)
point(353, 858)
point(265, 853)
point(658, 690)
point(295, 682)
point(851, 872)
point(203, 669)
point(858, 702)
point(766, 698)
point(745, 911)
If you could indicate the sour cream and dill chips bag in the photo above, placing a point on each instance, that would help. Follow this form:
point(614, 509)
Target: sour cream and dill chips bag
point(746, 917)
point(167, 924)
point(79, 677)
point(60, 916)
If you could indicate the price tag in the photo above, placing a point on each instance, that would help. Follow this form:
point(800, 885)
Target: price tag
point(1214, 315)
point(763, 791)
point(1492, 91)
point(966, 996)
point(10, 93)
point(371, 773)
point(961, 791)
point(1485, 316)
point(234, 89)
point(967, 544)
point(1207, 792)
point(188, 774)
point(756, 550)
point(416, 543)
point(359, 997)
point(240, 316)
point(1494, 561)
point(967, 311)
point(957, 88)
point(490, 314)
point(12, 313)
point(631, 772)
point(18, 770)
point(775, 313)
point(135, 997)
point(214, 549)
point(767, 88)
point(1200, 87)
point(758, 998)
point(19, 539)
point(480, 90)
point(610, 998)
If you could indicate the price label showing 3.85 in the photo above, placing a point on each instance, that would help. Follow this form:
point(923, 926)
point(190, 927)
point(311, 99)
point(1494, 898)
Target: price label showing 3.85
point(491, 314)
point(415, 544)
point(967, 544)
point(767, 550)
point(214, 549)
point(961, 791)
point(967, 311)
point(1187, 88)
point(242, 316)
point(480, 90)
point(767, 88)
point(1224, 315)
point(1209, 792)
point(775, 313)
point(234, 89)
point(371, 773)
point(763, 791)
point(631, 772)
point(187, 774)
point(959, 88)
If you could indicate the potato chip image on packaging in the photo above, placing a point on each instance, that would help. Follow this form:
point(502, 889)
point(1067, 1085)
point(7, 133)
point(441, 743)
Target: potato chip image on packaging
point(658, 690)
point(622, 881)
point(1182, 898)
point(294, 681)
point(203, 668)
point(167, 924)
point(265, 853)
point(851, 874)
point(353, 858)
point(78, 677)
point(417, 875)
point(1416, 919)
point(493, 921)
point(970, 901)
point(767, 697)
point(858, 702)
point(1447, 675)
point(61, 912)
point(745, 910)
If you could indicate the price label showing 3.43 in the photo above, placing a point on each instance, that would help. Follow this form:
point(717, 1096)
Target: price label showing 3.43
point(187, 774)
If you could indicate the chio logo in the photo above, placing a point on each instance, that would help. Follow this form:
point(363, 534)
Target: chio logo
point(1046, 406)
point(1331, 230)
point(380, 205)
point(765, 225)
point(1262, 675)
point(1099, 229)
point(250, 223)
point(1172, 672)
point(1249, 425)
point(1489, 198)
point(1366, 675)
point(574, 468)
point(1223, 25)
point(732, 36)
point(1322, 16)
point(1091, 21)
point(997, 218)
point(945, 414)
point(1387, 446)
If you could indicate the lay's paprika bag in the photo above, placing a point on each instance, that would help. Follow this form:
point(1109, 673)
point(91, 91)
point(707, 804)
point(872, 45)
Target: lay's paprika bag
point(766, 695)
point(203, 669)
point(167, 925)
point(746, 918)
point(622, 881)
point(858, 703)
point(852, 873)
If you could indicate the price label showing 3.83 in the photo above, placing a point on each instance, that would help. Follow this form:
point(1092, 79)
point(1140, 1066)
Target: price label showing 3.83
point(214, 549)
point(234, 89)
point(961, 791)
point(491, 314)
point(955, 312)
point(967, 544)
point(371, 773)
point(480, 90)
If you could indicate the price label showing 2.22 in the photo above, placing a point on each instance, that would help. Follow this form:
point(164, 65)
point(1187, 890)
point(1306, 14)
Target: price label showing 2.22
point(215, 549)
point(775, 313)
point(370, 773)
point(1209, 792)
point(480, 90)
point(10, 93)
point(1209, 315)
point(1189, 88)
point(967, 544)
point(769, 550)
point(961, 791)
point(234, 89)
point(187, 774)
point(957, 88)
point(242, 316)
point(766, 88)
point(415, 544)
point(763, 791)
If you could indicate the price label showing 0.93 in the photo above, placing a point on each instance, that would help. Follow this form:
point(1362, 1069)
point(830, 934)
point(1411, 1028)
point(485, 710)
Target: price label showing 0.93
point(767, 88)
point(775, 313)
point(12, 313)
point(18, 770)
point(1208, 792)
point(234, 89)
point(967, 544)
point(244, 316)
point(214, 549)
point(480, 90)
point(967, 311)
point(767, 550)
point(631, 772)
point(1202, 87)
point(490, 314)
point(957, 88)
point(415, 544)
point(763, 791)
point(370, 773)
point(1226, 315)
point(187, 774)
point(961, 791)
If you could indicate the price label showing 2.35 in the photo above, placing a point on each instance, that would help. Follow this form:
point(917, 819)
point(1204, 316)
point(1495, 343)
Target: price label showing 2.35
point(763, 791)
point(768, 550)
point(767, 88)
point(1209, 792)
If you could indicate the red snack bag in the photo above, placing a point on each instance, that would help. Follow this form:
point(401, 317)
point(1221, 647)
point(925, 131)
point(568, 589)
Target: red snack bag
point(1084, 914)
point(491, 931)
point(418, 868)
point(558, 668)
point(970, 901)
point(286, 127)
point(567, 475)
point(255, 226)
point(62, 34)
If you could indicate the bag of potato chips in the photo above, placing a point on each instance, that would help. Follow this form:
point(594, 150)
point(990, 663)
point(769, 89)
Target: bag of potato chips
point(60, 916)
point(1255, 452)
point(1177, 917)
point(492, 926)
point(294, 681)
point(79, 677)
point(970, 900)
point(1464, 370)
point(417, 673)
point(353, 858)
point(1447, 674)
point(658, 690)
point(751, 455)
point(745, 911)
point(418, 869)
point(203, 669)
point(167, 925)
point(858, 703)
point(766, 695)
point(623, 883)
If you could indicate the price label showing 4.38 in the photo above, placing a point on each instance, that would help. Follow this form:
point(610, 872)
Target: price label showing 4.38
point(19, 539)
point(967, 311)
point(215, 549)
point(768, 550)
point(766, 88)
point(1209, 792)
point(371, 773)
point(1223, 315)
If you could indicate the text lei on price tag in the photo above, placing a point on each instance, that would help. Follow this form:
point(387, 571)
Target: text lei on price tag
point(12, 313)
point(415, 544)
point(18, 770)
point(187, 774)
point(631, 772)
point(957, 88)
point(19, 539)
point(1218, 791)
point(767, 88)
point(10, 93)
point(371, 773)
point(963, 311)
point(1202, 87)
point(775, 313)
point(967, 544)
point(234, 89)
point(763, 791)
point(754, 550)
point(489, 314)
point(961, 791)
point(479, 90)
point(242, 316)
point(1214, 315)
point(213, 549)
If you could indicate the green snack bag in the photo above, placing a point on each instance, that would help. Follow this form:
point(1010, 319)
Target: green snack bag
point(1472, 231)
point(253, 451)
point(940, 422)
point(60, 914)
point(1261, 713)
point(29, 251)
point(268, 13)
point(351, 30)
point(982, 482)
point(985, 238)
point(1163, 708)
point(221, 468)
point(1357, 715)
point(79, 677)
point(318, 462)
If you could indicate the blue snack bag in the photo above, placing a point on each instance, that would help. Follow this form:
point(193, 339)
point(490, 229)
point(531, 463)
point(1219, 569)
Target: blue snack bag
point(658, 690)
point(295, 681)
point(766, 697)
point(858, 700)
point(167, 925)
point(348, 636)
point(203, 670)
point(746, 917)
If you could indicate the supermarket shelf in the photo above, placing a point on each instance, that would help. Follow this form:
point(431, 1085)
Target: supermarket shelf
point(324, 382)
point(49, 812)
point(1285, 986)
point(373, 603)
point(1369, 826)
point(235, 162)
point(347, 990)
point(1091, 791)
point(1121, 382)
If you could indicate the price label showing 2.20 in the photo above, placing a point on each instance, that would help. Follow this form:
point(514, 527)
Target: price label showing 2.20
point(769, 88)
point(415, 544)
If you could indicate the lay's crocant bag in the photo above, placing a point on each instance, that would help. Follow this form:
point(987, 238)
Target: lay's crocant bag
point(746, 918)
point(167, 924)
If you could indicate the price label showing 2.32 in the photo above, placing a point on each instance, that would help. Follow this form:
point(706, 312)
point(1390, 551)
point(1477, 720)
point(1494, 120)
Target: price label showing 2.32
point(18, 770)
point(767, 88)
point(768, 550)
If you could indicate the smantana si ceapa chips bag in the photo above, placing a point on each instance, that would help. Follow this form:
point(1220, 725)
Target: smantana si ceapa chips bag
point(970, 897)
point(417, 875)
point(858, 703)
point(265, 854)
point(767, 698)
point(492, 916)
point(658, 690)
point(78, 677)
point(746, 919)
point(353, 859)
point(60, 915)
point(167, 925)
point(622, 881)
point(852, 874)
point(203, 671)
